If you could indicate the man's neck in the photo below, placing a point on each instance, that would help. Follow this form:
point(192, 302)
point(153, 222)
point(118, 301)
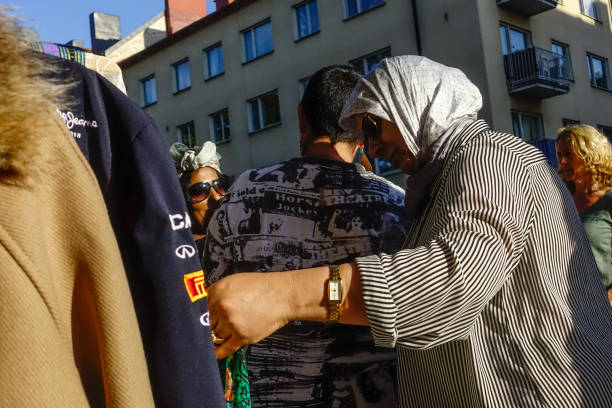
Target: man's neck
point(322, 148)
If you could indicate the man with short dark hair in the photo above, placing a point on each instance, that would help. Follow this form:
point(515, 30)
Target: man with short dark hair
point(315, 210)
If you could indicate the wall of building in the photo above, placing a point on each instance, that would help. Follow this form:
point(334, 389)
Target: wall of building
point(450, 34)
point(338, 42)
point(455, 33)
point(565, 24)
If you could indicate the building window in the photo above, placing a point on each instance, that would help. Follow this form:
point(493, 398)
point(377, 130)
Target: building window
point(569, 122)
point(527, 126)
point(214, 61)
point(263, 111)
point(384, 168)
point(564, 65)
point(182, 80)
point(148, 91)
point(368, 62)
point(354, 7)
point(587, 7)
point(258, 41)
point(303, 85)
point(513, 39)
point(606, 130)
point(599, 75)
point(220, 126)
point(306, 18)
point(185, 134)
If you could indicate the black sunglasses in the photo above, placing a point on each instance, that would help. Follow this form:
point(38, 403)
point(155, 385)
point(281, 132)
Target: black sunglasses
point(371, 127)
point(201, 191)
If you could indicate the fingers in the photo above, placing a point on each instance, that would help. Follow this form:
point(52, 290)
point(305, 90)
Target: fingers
point(229, 346)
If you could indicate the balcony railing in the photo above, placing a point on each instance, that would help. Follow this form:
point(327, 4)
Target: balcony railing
point(537, 73)
point(528, 7)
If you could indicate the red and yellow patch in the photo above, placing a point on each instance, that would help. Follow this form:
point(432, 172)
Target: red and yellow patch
point(194, 282)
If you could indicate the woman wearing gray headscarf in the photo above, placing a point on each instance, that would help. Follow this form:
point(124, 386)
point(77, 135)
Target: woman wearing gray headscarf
point(494, 299)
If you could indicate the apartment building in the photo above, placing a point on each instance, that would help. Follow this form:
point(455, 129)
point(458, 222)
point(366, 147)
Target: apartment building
point(235, 76)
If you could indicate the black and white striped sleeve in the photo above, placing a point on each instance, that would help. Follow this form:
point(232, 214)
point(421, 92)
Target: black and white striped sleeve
point(470, 241)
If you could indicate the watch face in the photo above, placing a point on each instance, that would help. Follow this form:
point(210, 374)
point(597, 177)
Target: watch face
point(334, 291)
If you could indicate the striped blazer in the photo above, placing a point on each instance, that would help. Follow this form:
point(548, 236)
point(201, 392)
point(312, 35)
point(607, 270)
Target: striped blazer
point(495, 300)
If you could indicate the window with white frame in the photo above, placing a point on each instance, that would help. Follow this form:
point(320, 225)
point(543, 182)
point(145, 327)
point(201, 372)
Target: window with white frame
point(527, 126)
point(355, 7)
point(214, 61)
point(599, 74)
point(564, 65)
point(185, 134)
point(220, 126)
point(148, 91)
point(587, 7)
point(257, 41)
point(513, 38)
point(367, 63)
point(306, 17)
point(263, 111)
point(182, 78)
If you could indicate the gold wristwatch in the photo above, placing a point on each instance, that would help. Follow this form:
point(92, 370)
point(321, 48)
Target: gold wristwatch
point(334, 292)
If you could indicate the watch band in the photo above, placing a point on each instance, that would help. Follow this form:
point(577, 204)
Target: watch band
point(334, 292)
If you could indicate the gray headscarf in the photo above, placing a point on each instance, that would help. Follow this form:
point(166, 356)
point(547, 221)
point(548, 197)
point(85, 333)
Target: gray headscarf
point(423, 98)
point(430, 103)
point(192, 158)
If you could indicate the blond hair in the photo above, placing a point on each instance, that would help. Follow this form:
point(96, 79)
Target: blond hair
point(594, 149)
point(28, 103)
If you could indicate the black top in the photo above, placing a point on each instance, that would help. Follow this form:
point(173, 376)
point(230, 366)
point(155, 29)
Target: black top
point(148, 213)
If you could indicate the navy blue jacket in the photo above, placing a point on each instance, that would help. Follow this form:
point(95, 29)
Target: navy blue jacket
point(149, 215)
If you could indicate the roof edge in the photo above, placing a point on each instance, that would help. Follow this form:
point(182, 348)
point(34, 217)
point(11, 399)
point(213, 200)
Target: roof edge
point(134, 33)
point(186, 32)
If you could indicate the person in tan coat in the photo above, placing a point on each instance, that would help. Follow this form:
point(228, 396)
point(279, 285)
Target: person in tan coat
point(69, 335)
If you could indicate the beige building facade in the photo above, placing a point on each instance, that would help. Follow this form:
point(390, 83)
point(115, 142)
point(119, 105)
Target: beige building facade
point(247, 102)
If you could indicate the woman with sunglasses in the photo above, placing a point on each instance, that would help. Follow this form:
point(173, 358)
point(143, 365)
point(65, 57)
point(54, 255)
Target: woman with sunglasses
point(203, 184)
point(493, 301)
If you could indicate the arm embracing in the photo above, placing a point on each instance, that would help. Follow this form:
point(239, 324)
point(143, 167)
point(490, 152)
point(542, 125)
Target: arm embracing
point(469, 243)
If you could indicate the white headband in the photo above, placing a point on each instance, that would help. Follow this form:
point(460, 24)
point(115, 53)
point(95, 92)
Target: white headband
point(192, 158)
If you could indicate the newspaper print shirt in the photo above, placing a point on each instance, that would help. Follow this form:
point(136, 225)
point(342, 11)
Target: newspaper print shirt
point(299, 214)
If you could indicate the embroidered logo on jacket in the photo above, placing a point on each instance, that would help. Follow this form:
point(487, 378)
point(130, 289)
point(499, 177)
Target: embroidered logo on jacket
point(194, 282)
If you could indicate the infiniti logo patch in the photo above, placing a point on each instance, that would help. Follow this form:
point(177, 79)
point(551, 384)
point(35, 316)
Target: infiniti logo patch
point(185, 251)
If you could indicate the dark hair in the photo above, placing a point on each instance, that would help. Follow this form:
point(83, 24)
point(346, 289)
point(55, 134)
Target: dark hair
point(325, 95)
point(185, 181)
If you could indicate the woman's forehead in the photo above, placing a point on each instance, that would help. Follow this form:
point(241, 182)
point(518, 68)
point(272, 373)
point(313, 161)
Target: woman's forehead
point(204, 174)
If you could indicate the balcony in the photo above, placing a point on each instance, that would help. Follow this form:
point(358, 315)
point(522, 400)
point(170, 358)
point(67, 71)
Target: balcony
point(528, 7)
point(537, 73)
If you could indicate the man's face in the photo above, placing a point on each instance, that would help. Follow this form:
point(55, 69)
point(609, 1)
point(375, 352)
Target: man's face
point(571, 166)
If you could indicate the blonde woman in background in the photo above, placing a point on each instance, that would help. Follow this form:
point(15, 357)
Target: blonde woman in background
point(585, 164)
